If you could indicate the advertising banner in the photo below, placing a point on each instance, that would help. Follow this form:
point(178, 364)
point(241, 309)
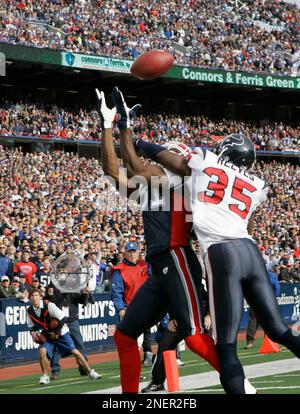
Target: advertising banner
point(258, 80)
point(98, 322)
point(109, 64)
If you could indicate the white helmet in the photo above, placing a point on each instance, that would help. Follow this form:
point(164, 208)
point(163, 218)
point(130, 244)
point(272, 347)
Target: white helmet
point(178, 147)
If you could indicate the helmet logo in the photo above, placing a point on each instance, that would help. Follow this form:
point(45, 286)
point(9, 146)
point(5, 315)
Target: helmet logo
point(233, 140)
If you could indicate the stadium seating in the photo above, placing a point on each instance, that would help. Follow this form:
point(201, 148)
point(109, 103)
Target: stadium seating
point(259, 36)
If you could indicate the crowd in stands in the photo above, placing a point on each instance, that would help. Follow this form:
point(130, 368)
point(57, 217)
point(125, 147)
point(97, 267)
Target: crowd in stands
point(258, 35)
point(57, 203)
point(44, 120)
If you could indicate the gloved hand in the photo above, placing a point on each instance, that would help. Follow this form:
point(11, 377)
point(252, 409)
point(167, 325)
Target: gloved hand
point(125, 113)
point(107, 115)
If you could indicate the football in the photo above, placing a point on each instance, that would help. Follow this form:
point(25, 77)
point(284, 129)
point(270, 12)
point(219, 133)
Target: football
point(152, 64)
point(53, 324)
point(40, 338)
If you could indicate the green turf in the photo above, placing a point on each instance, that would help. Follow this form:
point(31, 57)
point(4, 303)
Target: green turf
point(71, 382)
point(287, 383)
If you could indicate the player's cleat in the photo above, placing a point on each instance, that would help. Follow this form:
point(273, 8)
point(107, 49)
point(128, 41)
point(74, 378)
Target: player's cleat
point(142, 378)
point(249, 346)
point(44, 380)
point(179, 363)
point(148, 359)
point(249, 389)
point(94, 375)
point(153, 388)
point(82, 372)
point(54, 377)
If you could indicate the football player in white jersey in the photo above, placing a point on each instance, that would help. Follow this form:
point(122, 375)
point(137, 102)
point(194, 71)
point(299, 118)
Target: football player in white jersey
point(224, 196)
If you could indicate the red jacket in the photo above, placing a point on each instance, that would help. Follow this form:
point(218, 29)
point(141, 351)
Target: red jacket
point(133, 277)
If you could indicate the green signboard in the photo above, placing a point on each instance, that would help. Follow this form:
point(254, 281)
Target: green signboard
point(111, 64)
point(30, 54)
point(233, 78)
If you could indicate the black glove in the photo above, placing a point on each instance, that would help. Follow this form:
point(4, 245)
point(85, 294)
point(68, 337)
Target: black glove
point(125, 114)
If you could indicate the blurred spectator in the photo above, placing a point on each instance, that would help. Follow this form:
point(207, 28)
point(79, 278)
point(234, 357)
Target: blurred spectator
point(16, 283)
point(103, 277)
point(26, 267)
point(44, 274)
point(23, 295)
point(35, 284)
point(38, 258)
point(161, 127)
point(285, 275)
point(295, 272)
point(6, 290)
point(22, 282)
point(5, 262)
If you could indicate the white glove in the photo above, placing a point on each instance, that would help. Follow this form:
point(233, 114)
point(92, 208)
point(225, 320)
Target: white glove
point(107, 115)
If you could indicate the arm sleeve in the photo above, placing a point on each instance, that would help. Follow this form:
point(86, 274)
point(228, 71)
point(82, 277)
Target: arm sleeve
point(55, 312)
point(92, 280)
point(264, 194)
point(117, 290)
point(30, 324)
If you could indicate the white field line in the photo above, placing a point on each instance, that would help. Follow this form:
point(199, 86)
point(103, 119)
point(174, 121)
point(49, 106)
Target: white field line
point(42, 387)
point(197, 363)
point(258, 388)
point(210, 378)
point(265, 382)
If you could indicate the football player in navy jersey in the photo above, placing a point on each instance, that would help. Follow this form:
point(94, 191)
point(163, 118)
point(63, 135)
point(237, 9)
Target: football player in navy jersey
point(176, 281)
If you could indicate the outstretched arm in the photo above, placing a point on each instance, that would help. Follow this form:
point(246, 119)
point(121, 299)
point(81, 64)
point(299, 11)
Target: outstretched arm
point(109, 158)
point(132, 162)
point(129, 156)
point(170, 160)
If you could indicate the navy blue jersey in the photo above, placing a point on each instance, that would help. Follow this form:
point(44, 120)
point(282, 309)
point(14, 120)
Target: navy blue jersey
point(167, 221)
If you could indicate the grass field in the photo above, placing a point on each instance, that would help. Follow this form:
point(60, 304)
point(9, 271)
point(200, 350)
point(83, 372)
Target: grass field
point(71, 382)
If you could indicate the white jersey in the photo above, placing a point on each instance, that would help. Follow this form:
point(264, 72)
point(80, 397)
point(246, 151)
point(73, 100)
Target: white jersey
point(223, 198)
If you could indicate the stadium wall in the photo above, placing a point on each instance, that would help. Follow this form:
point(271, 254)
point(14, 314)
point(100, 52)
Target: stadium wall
point(92, 149)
